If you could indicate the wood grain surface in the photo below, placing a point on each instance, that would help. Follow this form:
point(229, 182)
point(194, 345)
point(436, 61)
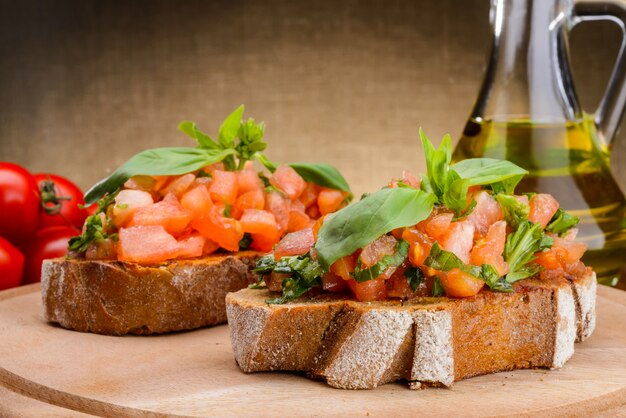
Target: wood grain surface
point(194, 374)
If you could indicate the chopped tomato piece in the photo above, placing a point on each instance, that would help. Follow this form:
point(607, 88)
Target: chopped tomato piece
point(197, 201)
point(210, 247)
point(169, 213)
point(223, 187)
point(288, 180)
point(317, 225)
point(313, 212)
point(146, 244)
point(145, 183)
point(254, 199)
point(459, 284)
point(227, 232)
point(410, 179)
point(249, 180)
point(309, 195)
point(548, 259)
point(459, 239)
point(486, 213)
point(160, 182)
point(333, 283)
point(278, 205)
point(126, 202)
point(344, 267)
point(436, 226)
point(295, 243)
point(374, 252)
point(489, 250)
point(368, 290)
point(297, 205)
point(297, 221)
point(542, 208)
point(260, 222)
point(330, 200)
point(263, 243)
point(179, 185)
point(419, 246)
point(192, 246)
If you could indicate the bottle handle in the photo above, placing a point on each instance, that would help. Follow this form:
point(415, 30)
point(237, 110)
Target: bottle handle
point(610, 110)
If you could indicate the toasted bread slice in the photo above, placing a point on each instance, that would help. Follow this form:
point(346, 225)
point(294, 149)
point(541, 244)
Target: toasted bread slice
point(116, 298)
point(425, 341)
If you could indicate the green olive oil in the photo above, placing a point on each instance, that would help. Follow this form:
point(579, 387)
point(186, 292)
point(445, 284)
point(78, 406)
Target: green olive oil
point(569, 162)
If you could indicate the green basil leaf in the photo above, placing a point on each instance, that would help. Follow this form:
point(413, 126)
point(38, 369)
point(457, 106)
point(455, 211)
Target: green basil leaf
point(437, 162)
point(455, 196)
point(438, 287)
point(230, 128)
point(157, 162)
point(357, 225)
point(515, 212)
point(492, 279)
point(265, 264)
point(562, 222)
point(323, 174)
point(520, 248)
point(393, 260)
point(489, 171)
point(523, 272)
point(440, 259)
point(414, 276)
point(190, 129)
point(271, 167)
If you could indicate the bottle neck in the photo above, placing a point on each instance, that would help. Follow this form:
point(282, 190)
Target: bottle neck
point(528, 76)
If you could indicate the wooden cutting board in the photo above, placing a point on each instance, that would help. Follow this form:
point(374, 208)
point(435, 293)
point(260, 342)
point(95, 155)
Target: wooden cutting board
point(193, 373)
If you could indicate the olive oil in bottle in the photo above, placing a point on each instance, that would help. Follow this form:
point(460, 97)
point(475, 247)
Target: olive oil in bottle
point(568, 161)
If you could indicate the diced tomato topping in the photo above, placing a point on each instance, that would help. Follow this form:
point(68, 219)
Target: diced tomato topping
point(126, 202)
point(458, 284)
point(459, 239)
point(563, 253)
point(210, 247)
point(197, 201)
point(313, 212)
point(523, 199)
point(486, 213)
point(344, 267)
point(436, 226)
point(288, 180)
point(278, 205)
point(333, 283)
point(410, 179)
point(295, 243)
point(309, 195)
point(169, 213)
point(179, 185)
point(297, 221)
point(263, 243)
point(374, 252)
point(192, 246)
point(223, 187)
point(227, 232)
point(297, 206)
point(249, 181)
point(368, 290)
point(330, 200)
point(542, 208)
point(548, 259)
point(489, 250)
point(160, 182)
point(419, 246)
point(146, 244)
point(254, 199)
point(262, 222)
point(145, 183)
point(317, 225)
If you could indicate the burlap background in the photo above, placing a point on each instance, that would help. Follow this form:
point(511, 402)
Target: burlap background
point(85, 84)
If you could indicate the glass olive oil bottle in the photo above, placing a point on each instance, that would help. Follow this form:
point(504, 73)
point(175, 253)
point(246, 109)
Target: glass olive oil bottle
point(527, 112)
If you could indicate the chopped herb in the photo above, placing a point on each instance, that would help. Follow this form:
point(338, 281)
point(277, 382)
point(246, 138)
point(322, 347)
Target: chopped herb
point(437, 287)
point(414, 277)
point(562, 222)
point(394, 260)
point(245, 242)
point(515, 212)
point(305, 274)
point(94, 232)
point(226, 211)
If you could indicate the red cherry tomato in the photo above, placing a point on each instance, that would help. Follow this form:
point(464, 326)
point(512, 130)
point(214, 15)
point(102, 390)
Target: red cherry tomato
point(11, 265)
point(50, 242)
point(19, 203)
point(60, 199)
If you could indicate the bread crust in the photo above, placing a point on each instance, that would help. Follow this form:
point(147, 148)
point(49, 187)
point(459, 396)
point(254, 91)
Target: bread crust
point(425, 341)
point(117, 298)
